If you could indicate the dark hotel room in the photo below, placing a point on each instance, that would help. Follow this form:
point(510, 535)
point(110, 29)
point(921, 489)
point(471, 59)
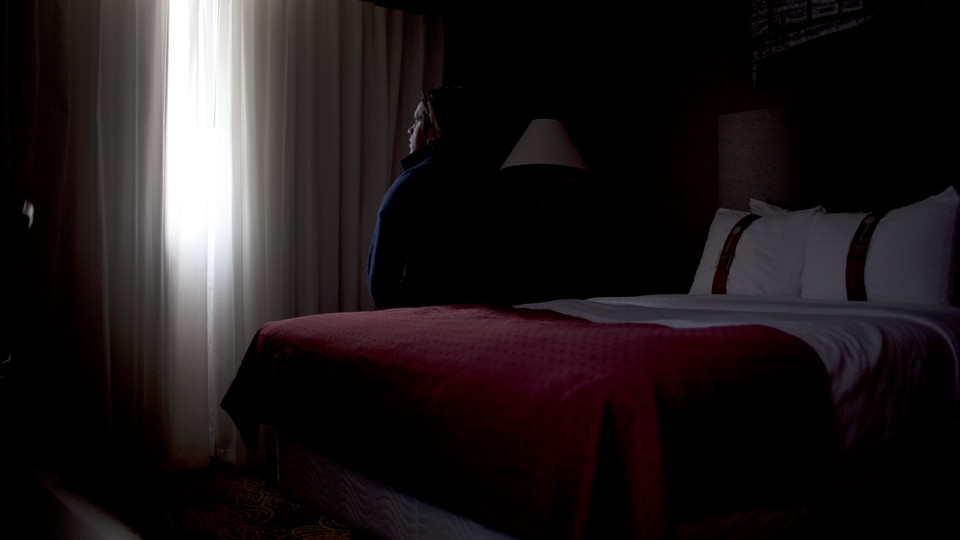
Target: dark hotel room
point(503, 270)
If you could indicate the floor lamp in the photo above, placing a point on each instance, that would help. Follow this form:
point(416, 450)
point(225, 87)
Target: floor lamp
point(547, 150)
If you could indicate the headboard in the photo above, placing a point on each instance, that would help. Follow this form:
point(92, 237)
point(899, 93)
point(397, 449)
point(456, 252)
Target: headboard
point(846, 157)
point(762, 155)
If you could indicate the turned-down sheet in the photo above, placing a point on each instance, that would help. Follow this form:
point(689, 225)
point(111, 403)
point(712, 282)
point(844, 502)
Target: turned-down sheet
point(890, 365)
point(574, 419)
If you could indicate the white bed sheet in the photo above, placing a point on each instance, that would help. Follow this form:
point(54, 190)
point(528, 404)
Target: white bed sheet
point(880, 358)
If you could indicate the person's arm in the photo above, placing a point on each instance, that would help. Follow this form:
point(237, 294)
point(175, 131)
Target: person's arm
point(386, 261)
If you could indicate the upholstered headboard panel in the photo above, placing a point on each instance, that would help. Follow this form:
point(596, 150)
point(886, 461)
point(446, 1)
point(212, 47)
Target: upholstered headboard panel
point(846, 157)
point(763, 155)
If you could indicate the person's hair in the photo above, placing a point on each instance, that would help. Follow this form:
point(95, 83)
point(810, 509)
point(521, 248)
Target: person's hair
point(446, 109)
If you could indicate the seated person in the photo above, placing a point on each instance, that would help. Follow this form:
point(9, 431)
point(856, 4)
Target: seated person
point(431, 244)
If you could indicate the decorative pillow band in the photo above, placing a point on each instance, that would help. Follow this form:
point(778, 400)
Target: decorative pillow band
point(910, 257)
point(769, 253)
point(857, 256)
point(728, 252)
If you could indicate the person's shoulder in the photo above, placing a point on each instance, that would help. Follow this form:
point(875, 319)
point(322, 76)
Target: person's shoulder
point(421, 174)
point(413, 181)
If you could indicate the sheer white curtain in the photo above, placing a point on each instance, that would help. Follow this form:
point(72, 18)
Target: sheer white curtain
point(217, 179)
point(284, 122)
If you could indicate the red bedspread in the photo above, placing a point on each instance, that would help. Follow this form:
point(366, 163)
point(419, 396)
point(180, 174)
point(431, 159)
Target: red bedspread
point(542, 425)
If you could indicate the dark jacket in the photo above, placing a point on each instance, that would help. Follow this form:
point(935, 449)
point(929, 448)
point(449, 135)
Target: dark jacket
point(428, 247)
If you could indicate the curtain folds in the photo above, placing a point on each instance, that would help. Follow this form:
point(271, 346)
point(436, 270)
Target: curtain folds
point(215, 179)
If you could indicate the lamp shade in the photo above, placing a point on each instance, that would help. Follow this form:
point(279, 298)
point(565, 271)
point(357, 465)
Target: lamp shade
point(545, 142)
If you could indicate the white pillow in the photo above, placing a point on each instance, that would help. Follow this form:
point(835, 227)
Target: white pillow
point(769, 257)
point(910, 257)
point(763, 208)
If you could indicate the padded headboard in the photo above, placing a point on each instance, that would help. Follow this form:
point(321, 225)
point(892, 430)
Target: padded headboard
point(844, 156)
point(762, 155)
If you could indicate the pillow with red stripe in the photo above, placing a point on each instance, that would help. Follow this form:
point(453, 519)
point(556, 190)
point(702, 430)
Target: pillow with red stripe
point(905, 255)
point(762, 256)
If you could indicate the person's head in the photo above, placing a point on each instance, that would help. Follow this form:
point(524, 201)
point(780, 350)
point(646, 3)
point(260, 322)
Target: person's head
point(440, 112)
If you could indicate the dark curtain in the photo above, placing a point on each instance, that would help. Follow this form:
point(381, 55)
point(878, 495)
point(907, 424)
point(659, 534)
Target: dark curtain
point(35, 116)
point(34, 168)
point(34, 93)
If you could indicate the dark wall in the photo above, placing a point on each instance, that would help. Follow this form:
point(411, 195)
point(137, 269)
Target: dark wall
point(640, 91)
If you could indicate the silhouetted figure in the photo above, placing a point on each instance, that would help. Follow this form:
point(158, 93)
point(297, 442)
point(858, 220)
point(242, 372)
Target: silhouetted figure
point(433, 243)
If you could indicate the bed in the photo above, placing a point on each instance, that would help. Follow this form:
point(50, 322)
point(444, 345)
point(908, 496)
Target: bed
point(815, 354)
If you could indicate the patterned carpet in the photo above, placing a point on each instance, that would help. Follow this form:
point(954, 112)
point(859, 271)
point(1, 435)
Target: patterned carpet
point(222, 501)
